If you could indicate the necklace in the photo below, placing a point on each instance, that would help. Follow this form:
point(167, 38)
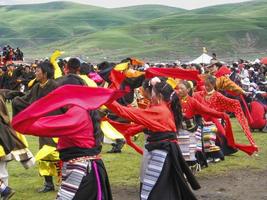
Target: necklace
point(211, 92)
point(43, 84)
point(184, 99)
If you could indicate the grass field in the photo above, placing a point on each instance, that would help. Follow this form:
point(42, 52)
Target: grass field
point(123, 169)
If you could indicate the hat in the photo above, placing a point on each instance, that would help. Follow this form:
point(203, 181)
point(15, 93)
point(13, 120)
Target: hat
point(222, 71)
point(172, 82)
point(245, 81)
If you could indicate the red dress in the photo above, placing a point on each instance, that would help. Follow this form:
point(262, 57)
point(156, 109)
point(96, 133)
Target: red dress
point(223, 104)
point(192, 107)
point(258, 115)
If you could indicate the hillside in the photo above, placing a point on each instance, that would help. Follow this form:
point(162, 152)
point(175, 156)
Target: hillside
point(151, 31)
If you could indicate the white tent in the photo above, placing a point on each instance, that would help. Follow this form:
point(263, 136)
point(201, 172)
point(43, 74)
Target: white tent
point(256, 61)
point(204, 58)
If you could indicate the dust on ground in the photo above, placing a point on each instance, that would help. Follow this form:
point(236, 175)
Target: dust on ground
point(235, 185)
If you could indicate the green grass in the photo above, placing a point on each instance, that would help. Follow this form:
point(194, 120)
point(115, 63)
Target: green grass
point(150, 32)
point(241, 161)
point(123, 169)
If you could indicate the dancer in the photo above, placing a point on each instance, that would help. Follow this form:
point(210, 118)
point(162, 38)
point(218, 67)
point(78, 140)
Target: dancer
point(46, 84)
point(221, 103)
point(190, 138)
point(83, 173)
point(162, 121)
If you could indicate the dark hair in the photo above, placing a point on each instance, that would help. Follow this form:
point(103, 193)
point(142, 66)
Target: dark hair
point(86, 68)
point(211, 79)
point(219, 65)
point(169, 95)
point(47, 68)
point(103, 65)
point(74, 65)
point(126, 60)
point(147, 86)
point(188, 86)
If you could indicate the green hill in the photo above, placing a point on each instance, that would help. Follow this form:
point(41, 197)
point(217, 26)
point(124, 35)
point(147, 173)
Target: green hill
point(150, 32)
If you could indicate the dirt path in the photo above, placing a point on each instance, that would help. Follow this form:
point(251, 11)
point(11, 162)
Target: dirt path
point(237, 185)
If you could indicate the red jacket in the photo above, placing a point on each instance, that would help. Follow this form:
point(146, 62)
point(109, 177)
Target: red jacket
point(157, 118)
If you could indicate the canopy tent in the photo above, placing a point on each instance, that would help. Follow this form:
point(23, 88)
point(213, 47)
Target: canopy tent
point(204, 58)
point(256, 61)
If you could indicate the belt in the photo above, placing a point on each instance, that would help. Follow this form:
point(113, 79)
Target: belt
point(84, 159)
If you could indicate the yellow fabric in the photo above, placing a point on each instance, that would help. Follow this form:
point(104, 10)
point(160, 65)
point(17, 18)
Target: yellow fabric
point(55, 140)
point(109, 131)
point(91, 83)
point(2, 152)
point(23, 139)
point(88, 81)
point(103, 108)
point(10, 73)
point(214, 129)
point(48, 158)
point(121, 66)
point(130, 73)
point(45, 151)
point(172, 82)
point(30, 84)
point(224, 83)
point(53, 60)
point(47, 168)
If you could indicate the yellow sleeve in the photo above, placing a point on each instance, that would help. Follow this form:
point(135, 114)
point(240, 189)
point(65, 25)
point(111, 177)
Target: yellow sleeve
point(2, 152)
point(53, 60)
point(224, 83)
point(121, 66)
point(23, 139)
point(89, 82)
point(30, 84)
point(130, 73)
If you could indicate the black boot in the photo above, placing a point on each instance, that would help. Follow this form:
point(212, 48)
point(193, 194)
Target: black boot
point(116, 147)
point(48, 186)
point(120, 144)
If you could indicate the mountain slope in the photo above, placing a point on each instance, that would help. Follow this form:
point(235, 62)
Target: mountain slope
point(151, 31)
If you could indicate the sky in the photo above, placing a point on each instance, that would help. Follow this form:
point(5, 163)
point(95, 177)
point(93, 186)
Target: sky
point(186, 4)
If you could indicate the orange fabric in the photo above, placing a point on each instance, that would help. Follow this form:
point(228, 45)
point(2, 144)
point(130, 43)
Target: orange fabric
point(130, 73)
point(224, 83)
point(157, 118)
point(137, 62)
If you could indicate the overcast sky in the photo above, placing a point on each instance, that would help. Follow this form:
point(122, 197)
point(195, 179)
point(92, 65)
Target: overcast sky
point(187, 4)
